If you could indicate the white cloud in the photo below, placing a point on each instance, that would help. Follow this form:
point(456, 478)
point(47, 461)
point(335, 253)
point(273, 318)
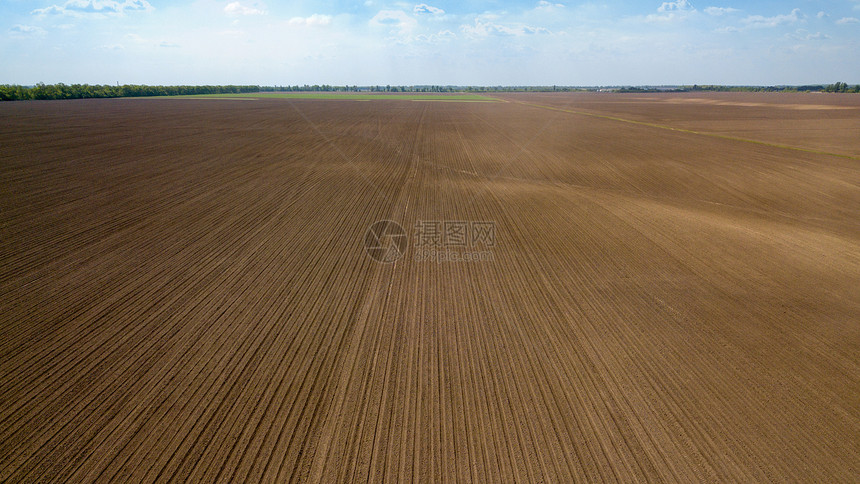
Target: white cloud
point(776, 20)
point(51, 10)
point(25, 30)
point(394, 19)
point(315, 20)
point(669, 17)
point(727, 30)
point(801, 34)
point(847, 20)
point(716, 11)
point(679, 5)
point(821, 14)
point(423, 8)
point(438, 37)
point(544, 5)
point(236, 8)
point(486, 29)
point(95, 8)
point(670, 11)
point(168, 45)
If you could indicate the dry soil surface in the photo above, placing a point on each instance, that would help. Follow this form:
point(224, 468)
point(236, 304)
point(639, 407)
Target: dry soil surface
point(185, 292)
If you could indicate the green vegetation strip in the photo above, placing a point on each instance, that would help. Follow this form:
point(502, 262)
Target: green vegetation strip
point(350, 96)
point(690, 131)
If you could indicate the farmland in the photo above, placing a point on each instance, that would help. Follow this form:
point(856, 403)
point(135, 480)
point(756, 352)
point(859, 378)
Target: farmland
point(670, 291)
point(346, 96)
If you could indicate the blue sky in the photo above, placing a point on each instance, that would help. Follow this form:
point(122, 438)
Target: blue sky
point(438, 42)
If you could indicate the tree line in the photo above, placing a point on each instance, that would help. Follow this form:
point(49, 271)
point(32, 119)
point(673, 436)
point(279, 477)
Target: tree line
point(10, 92)
point(842, 87)
point(837, 87)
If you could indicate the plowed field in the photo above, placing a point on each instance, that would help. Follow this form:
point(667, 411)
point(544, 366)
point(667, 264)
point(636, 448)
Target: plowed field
point(670, 291)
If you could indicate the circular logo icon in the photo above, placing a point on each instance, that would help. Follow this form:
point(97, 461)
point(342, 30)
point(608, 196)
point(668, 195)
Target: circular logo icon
point(385, 241)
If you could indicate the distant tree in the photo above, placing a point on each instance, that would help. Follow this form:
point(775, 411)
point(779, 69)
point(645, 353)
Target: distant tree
point(78, 91)
point(837, 87)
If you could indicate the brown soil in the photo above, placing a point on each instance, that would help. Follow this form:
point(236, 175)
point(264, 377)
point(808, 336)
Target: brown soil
point(820, 121)
point(185, 294)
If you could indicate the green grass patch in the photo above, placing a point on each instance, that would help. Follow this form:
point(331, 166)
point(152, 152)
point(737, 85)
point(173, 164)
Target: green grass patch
point(350, 96)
